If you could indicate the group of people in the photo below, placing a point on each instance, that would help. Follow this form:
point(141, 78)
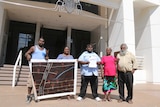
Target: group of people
point(120, 67)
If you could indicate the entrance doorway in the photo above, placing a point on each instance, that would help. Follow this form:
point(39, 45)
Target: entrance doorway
point(21, 37)
point(55, 41)
point(80, 39)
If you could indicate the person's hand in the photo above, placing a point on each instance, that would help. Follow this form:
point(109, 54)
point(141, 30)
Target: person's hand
point(116, 75)
point(46, 58)
point(98, 63)
point(133, 71)
point(86, 62)
point(117, 59)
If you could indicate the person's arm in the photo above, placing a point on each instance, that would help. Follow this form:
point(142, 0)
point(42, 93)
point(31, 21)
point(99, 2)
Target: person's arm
point(116, 63)
point(83, 62)
point(29, 52)
point(102, 71)
point(81, 59)
point(134, 63)
point(102, 67)
point(47, 52)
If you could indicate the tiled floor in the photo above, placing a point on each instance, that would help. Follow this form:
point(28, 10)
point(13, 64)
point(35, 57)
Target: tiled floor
point(145, 95)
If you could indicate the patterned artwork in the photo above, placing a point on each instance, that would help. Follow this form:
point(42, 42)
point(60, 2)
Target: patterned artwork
point(55, 77)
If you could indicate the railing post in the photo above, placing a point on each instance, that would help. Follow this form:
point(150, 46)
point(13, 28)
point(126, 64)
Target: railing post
point(19, 59)
point(14, 76)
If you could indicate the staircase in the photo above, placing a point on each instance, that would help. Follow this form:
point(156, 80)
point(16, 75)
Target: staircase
point(100, 81)
point(6, 75)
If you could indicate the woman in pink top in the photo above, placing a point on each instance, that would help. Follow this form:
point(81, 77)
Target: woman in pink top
point(108, 72)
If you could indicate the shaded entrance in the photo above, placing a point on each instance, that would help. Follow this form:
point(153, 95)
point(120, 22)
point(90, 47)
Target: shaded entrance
point(21, 37)
point(80, 39)
point(55, 41)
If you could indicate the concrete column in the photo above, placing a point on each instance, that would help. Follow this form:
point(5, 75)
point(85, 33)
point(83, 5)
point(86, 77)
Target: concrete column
point(103, 41)
point(98, 39)
point(147, 41)
point(95, 39)
point(37, 34)
point(154, 45)
point(2, 33)
point(122, 30)
point(69, 31)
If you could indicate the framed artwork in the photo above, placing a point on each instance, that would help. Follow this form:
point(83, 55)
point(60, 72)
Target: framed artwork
point(53, 78)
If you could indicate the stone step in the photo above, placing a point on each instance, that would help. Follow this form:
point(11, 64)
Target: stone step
point(20, 83)
point(10, 79)
point(10, 75)
point(6, 75)
point(11, 69)
point(11, 72)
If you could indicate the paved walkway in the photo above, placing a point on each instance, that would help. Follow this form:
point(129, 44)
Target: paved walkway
point(145, 95)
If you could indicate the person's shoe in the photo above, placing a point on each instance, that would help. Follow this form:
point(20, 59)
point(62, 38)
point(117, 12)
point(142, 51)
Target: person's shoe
point(29, 99)
point(79, 98)
point(120, 100)
point(130, 101)
point(98, 99)
point(104, 99)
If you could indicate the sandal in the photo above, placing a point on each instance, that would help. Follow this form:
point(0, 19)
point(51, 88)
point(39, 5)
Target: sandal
point(109, 99)
point(104, 99)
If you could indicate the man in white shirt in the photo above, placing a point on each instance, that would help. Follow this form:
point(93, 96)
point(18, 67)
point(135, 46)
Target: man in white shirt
point(89, 72)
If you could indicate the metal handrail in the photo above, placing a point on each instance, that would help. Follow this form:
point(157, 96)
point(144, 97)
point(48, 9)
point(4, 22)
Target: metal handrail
point(18, 61)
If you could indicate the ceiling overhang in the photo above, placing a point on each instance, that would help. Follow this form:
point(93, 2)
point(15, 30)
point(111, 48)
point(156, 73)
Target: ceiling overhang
point(44, 13)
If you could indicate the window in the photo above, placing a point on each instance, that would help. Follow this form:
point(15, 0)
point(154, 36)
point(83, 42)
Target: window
point(24, 40)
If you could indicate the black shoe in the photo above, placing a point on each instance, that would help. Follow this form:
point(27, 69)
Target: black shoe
point(29, 99)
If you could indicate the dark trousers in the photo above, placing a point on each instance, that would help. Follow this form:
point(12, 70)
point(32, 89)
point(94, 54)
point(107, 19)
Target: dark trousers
point(84, 83)
point(125, 78)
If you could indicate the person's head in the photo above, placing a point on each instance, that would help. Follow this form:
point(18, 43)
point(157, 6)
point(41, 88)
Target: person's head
point(66, 50)
point(108, 51)
point(41, 42)
point(123, 48)
point(89, 48)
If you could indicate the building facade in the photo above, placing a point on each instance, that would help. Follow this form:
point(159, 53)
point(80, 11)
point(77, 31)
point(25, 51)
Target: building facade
point(75, 23)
